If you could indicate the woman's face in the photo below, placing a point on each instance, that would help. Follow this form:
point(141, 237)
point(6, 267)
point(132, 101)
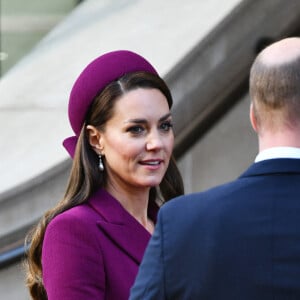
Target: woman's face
point(138, 140)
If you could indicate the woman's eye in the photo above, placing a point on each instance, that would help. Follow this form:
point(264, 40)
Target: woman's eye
point(166, 126)
point(135, 129)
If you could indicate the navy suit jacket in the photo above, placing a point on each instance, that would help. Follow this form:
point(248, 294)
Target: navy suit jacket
point(238, 241)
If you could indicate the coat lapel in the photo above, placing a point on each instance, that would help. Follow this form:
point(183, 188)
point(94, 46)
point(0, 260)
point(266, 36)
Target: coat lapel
point(119, 226)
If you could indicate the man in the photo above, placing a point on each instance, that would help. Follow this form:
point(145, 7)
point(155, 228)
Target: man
point(241, 240)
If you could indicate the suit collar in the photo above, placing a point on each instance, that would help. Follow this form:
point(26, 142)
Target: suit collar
point(273, 166)
point(122, 228)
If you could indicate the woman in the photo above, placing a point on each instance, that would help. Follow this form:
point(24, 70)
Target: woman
point(90, 245)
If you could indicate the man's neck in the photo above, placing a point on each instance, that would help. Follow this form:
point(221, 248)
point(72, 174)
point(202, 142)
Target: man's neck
point(279, 139)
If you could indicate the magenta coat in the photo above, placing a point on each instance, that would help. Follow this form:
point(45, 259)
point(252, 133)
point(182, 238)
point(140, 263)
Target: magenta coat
point(93, 251)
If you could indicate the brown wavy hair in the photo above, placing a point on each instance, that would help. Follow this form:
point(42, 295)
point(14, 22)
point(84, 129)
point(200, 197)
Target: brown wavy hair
point(85, 177)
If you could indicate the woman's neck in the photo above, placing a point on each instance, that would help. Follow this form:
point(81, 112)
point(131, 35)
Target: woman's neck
point(135, 202)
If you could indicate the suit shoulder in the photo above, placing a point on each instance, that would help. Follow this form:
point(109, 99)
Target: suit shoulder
point(202, 198)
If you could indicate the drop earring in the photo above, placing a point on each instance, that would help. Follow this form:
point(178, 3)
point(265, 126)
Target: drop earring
point(100, 165)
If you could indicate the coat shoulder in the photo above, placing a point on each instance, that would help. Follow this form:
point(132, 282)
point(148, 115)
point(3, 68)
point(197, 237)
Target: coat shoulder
point(75, 220)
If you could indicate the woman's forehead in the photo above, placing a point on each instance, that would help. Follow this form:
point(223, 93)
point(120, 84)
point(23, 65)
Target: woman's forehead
point(141, 103)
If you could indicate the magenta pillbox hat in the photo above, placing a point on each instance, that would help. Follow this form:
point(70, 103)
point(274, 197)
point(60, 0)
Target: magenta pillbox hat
point(93, 79)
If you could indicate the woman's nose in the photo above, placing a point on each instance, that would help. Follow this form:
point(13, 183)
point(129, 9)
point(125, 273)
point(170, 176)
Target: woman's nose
point(154, 141)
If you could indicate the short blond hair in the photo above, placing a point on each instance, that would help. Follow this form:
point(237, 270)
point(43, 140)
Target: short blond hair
point(275, 92)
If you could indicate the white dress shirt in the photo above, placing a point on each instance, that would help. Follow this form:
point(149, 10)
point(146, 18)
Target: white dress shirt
point(278, 152)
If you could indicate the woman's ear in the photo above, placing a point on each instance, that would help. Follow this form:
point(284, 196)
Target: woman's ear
point(94, 136)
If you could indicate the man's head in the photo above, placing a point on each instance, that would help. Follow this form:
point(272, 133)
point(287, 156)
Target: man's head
point(275, 88)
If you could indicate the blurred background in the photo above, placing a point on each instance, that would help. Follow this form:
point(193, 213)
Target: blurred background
point(25, 23)
point(203, 49)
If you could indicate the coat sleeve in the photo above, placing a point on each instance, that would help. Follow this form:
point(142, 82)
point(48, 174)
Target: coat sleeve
point(72, 262)
point(150, 281)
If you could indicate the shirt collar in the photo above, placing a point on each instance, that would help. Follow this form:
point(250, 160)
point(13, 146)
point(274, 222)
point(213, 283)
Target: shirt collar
point(278, 152)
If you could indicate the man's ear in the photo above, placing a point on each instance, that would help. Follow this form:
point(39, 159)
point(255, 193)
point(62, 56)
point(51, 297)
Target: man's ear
point(252, 116)
point(94, 136)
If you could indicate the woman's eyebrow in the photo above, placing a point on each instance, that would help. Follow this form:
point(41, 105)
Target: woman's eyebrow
point(136, 121)
point(165, 117)
point(144, 121)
